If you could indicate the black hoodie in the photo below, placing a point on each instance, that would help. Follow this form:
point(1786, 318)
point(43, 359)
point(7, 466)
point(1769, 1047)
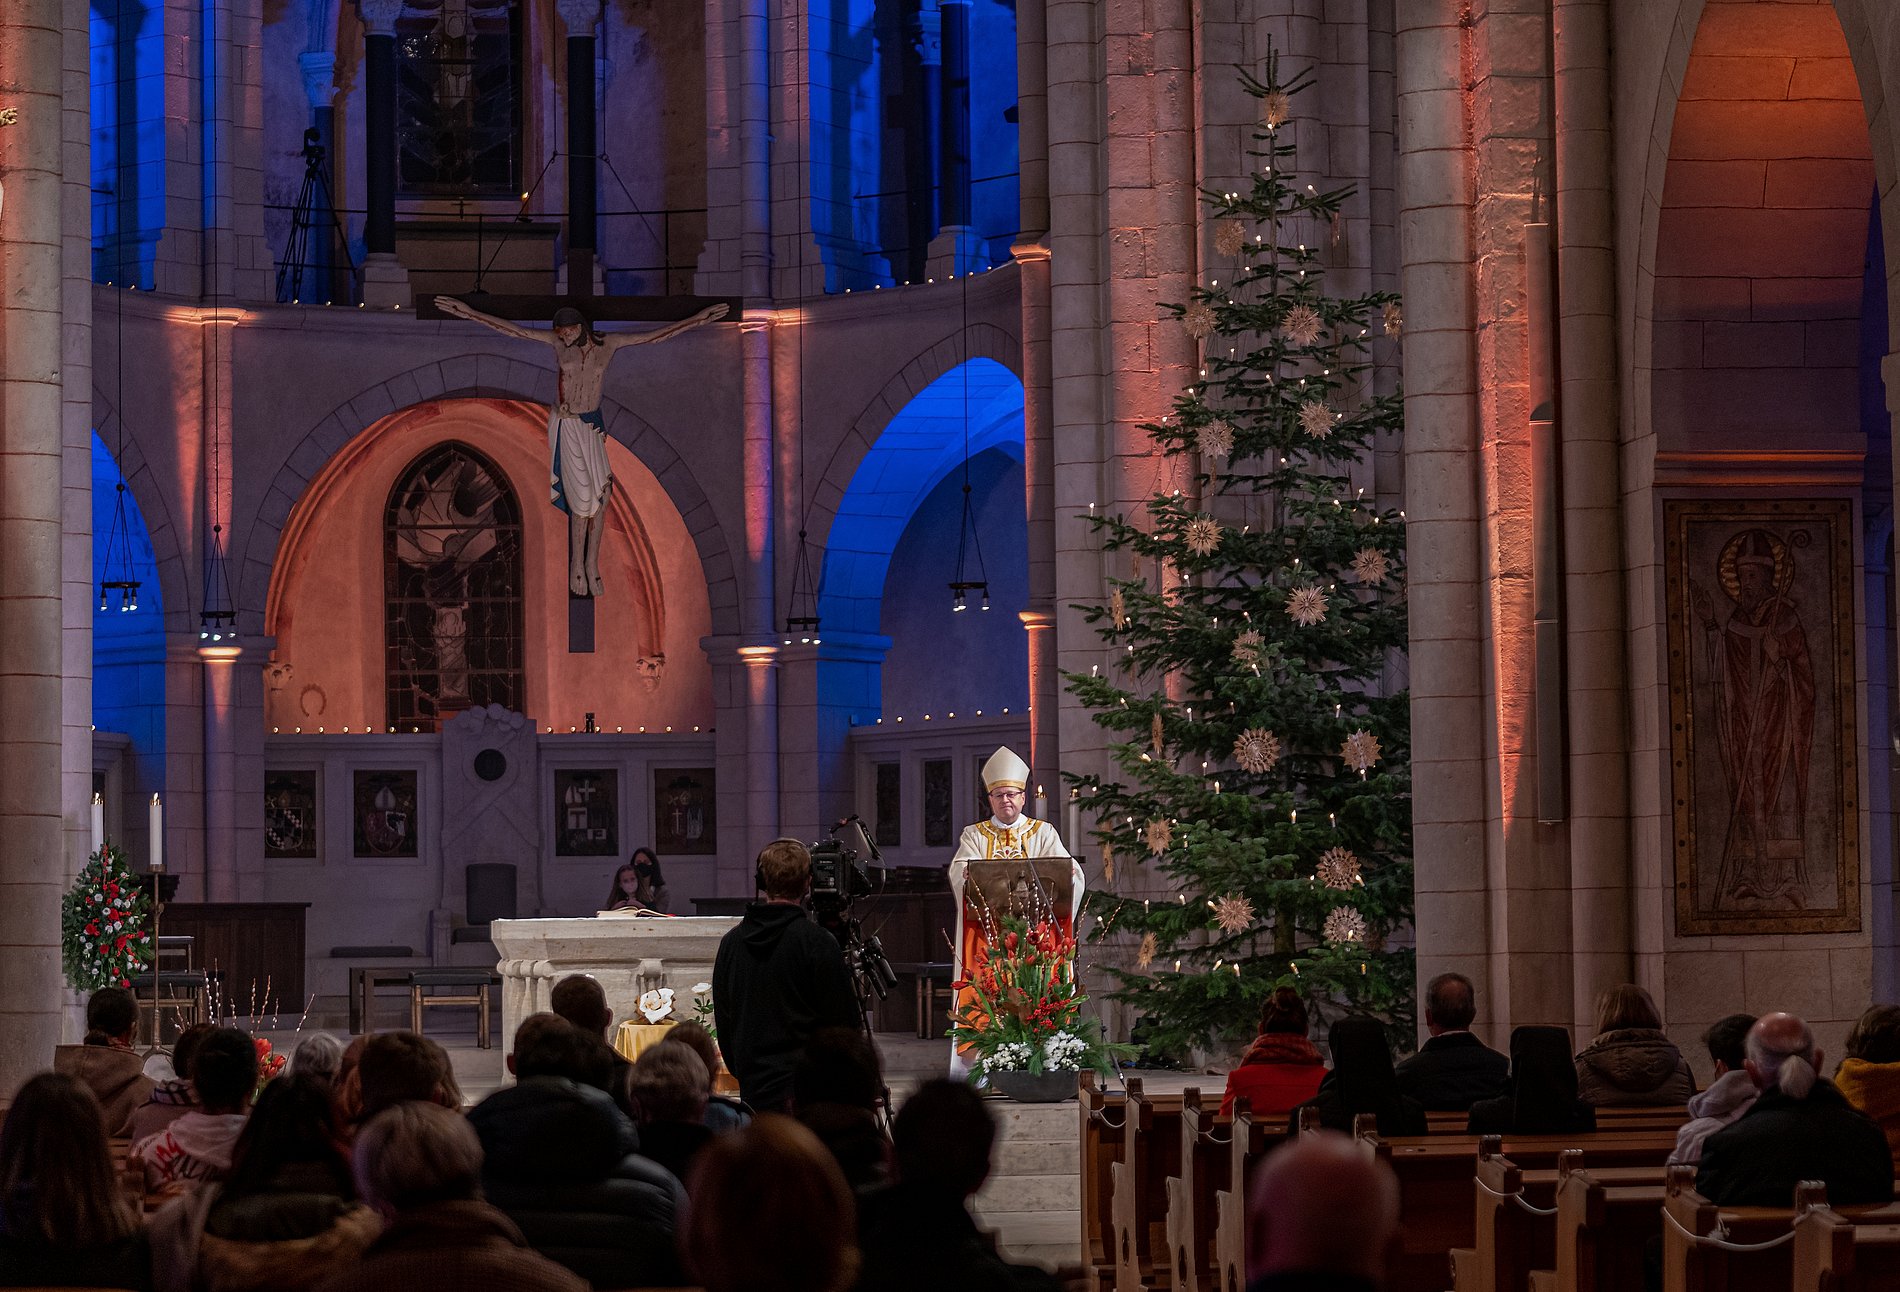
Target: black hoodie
point(778, 979)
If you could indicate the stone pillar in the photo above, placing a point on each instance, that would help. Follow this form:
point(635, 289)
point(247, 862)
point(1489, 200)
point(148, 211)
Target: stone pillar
point(738, 254)
point(220, 778)
point(1039, 617)
point(1032, 116)
point(319, 86)
point(1449, 737)
point(956, 249)
point(385, 281)
point(1596, 680)
point(583, 164)
point(757, 595)
point(32, 847)
point(761, 746)
point(922, 136)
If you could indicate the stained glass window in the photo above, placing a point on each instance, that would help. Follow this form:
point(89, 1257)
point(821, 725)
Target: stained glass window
point(458, 98)
point(452, 590)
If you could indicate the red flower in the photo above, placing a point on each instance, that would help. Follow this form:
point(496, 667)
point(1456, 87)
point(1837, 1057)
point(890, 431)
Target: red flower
point(125, 982)
point(1009, 941)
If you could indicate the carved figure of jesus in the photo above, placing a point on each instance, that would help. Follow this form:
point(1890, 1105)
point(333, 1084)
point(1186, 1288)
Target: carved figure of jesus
point(578, 473)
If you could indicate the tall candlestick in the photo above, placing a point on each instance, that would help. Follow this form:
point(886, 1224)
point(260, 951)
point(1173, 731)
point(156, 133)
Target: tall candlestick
point(158, 834)
point(98, 822)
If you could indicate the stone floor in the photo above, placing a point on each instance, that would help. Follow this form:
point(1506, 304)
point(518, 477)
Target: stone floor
point(1031, 1202)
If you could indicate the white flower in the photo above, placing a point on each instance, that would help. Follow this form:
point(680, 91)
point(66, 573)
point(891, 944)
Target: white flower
point(1061, 1052)
point(656, 1005)
point(1010, 1056)
point(701, 988)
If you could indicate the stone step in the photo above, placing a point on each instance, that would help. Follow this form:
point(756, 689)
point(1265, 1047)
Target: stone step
point(1030, 1193)
point(1034, 1228)
point(1034, 1157)
point(1048, 1256)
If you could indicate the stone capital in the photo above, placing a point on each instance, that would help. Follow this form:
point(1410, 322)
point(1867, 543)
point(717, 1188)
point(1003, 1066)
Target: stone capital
point(380, 16)
point(926, 36)
point(579, 15)
point(319, 77)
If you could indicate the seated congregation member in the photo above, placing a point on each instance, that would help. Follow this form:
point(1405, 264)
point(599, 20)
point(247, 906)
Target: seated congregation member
point(349, 1083)
point(581, 1000)
point(723, 1113)
point(563, 1164)
point(1870, 1074)
point(1362, 1081)
point(771, 1211)
point(197, 1147)
point(403, 1067)
point(1631, 1061)
point(1453, 1069)
point(918, 1234)
point(106, 1063)
point(1280, 1070)
point(172, 1097)
point(1541, 1096)
point(419, 1166)
point(835, 1093)
point(777, 979)
point(64, 1222)
point(319, 1056)
point(1801, 1128)
point(667, 1088)
point(285, 1218)
point(1728, 1097)
point(1322, 1216)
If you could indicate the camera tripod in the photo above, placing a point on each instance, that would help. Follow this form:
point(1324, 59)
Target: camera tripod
point(304, 249)
point(871, 976)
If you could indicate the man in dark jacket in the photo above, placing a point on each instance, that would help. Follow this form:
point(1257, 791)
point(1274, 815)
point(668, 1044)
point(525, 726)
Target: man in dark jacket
point(778, 979)
point(563, 1164)
point(917, 1235)
point(1801, 1128)
point(1454, 1069)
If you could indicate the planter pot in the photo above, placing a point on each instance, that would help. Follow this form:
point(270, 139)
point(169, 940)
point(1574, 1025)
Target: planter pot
point(1034, 1087)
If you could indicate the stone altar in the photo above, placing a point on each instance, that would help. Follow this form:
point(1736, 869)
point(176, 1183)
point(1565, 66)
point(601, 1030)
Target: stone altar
point(628, 955)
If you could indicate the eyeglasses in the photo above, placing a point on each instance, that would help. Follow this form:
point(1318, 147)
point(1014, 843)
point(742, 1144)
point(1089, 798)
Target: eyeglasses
point(1006, 794)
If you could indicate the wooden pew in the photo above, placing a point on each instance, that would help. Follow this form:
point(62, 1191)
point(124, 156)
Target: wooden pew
point(1603, 1223)
point(1833, 1254)
point(1699, 1238)
point(1516, 1218)
point(1206, 1161)
point(1101, 1148)
point(1138, 1191)
point(1250, 1142)
point(1437, 1186)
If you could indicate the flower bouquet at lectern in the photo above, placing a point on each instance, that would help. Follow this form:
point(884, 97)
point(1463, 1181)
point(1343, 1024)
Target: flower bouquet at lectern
point(1024, 1015)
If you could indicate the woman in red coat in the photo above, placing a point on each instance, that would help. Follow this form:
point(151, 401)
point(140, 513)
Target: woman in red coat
point(1281, 1070)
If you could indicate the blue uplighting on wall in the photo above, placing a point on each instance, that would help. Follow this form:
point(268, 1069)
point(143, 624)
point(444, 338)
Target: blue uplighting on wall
point(128, 646)
point(128, 140)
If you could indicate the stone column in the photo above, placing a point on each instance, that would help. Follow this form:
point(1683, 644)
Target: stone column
point(32, 856)
point(956, 249)
point(738, 254)
point(1039, 617)
point(385, 281)
point(757, 595)
point(761, 746)
point(1449, 736)
point(80, 595)
point(1596, 679)
point(319, 86)
point(220, 781)
point(583, 164)
point(922, 136)
point(1032, 116)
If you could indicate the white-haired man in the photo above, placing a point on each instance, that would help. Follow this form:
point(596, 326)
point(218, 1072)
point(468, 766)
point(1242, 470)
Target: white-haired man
point(1801, 1128)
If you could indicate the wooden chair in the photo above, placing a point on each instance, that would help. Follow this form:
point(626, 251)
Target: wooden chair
point(476, 981)
point(1833, 1254)
point(1206, 1142)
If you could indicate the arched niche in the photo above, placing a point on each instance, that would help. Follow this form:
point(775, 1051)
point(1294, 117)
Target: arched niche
point(326, 603)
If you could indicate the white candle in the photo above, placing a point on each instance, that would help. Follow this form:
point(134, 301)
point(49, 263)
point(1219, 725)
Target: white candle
point(1075, 823)
point(98, 822)
point(158, 834)
point(1042, 805)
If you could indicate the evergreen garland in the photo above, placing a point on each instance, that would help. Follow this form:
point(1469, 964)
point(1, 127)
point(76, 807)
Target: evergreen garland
point(105, 924)
point(1264, 759)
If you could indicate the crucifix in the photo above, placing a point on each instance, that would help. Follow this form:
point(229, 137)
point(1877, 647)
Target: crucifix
point(578, 472)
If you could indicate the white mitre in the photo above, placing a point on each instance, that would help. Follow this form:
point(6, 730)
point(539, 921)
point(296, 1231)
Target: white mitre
point(1005, 771)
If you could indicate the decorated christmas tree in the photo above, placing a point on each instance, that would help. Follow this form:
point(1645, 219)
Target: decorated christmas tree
point(106, 924)
point(1254, 607)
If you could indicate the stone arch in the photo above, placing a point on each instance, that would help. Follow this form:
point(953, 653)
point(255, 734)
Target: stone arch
point(977, 341)
point(174, 582)
point(1863, 51)
point(487, 376)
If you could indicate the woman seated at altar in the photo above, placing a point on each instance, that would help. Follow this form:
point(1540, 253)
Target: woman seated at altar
point(1281, 1070)
point(638, 885)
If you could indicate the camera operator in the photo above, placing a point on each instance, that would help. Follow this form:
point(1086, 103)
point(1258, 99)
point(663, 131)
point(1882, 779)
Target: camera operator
point(777, 980)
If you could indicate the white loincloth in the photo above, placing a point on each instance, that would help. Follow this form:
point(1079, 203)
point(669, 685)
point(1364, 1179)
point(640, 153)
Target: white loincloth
point(579, 476)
